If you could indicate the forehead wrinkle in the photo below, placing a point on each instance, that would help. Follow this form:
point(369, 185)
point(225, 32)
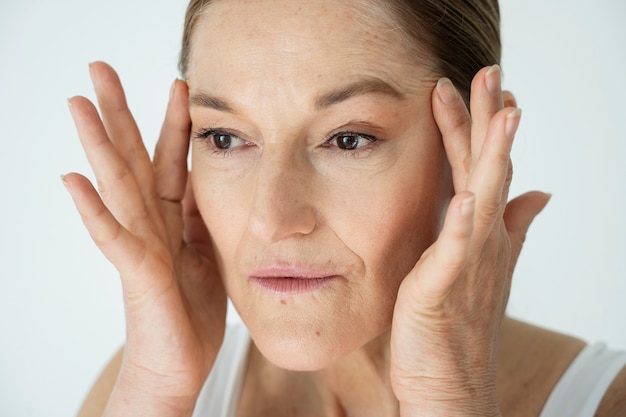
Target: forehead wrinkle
point(318, 55)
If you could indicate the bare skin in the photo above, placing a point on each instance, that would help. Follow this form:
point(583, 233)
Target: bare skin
point(524, 381)
point(273, 188)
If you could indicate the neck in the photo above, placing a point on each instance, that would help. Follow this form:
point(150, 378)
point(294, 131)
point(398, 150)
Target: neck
point(359, 384)
point(356, 385)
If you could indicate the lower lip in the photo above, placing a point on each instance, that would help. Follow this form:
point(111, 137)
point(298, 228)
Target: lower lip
point(287, 285)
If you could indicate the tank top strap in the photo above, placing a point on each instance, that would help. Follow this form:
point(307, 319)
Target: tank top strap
point(220, 394)
point(583, 385)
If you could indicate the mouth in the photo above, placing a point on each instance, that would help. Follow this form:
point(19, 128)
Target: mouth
point(289, 280)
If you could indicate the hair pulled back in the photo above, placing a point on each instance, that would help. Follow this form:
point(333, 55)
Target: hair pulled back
point(457, 37)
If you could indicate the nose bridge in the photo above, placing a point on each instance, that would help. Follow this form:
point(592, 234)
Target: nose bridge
point(282, 195)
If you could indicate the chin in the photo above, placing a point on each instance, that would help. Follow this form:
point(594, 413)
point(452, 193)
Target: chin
point(311, 347)
point(296, 349)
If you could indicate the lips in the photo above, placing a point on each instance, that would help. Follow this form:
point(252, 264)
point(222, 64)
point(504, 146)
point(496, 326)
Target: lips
point(292, 280)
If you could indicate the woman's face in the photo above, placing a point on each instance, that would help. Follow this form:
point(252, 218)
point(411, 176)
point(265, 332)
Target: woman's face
point(317, 167)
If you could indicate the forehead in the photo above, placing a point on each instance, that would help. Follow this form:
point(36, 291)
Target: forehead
point(319, 41)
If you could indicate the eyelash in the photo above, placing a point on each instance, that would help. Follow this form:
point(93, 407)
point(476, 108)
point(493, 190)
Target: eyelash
point(351, 152)
point(205, 134)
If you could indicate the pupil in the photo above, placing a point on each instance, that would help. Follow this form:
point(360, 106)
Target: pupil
point(223, 141)
point(348, 142)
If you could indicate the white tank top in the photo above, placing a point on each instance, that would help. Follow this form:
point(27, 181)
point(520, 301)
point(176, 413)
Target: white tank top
point(577, 394)
point(583, 385)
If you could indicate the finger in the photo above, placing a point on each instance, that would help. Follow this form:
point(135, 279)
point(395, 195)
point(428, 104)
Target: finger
point(115, 180)
point(485, 101)
point(120, 125)
point(442, 263)
point(170, 156)
point(490, 177)
point(115, 242)
point(509, 99)
point(454, 123)
point(518, 215)
point(196, 233)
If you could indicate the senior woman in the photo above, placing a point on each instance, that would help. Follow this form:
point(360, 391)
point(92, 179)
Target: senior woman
point(343, 198)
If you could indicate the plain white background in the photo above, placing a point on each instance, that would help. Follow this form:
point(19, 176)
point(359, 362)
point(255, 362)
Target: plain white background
point(61, 314)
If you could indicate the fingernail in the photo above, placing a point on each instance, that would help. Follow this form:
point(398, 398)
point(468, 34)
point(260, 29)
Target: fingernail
point(91, 74)
point(512, 121)
point(493, 79)
point(172, 89)
point(467, 206)
point(446, 90)
point(70, 106)
point(67, 186)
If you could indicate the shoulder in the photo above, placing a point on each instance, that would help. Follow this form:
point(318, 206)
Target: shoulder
point(531, 361)
point(96, 400)
point(541, 371)
point(614, 402)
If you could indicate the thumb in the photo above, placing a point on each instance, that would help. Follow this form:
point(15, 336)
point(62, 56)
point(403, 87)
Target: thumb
point(518, 215)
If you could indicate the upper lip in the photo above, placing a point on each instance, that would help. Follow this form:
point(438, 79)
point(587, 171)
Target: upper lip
point(291, 271)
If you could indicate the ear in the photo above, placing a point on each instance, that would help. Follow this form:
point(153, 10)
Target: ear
point(509, 99)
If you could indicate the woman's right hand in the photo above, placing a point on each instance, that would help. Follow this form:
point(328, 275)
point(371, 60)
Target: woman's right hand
point(145, 221)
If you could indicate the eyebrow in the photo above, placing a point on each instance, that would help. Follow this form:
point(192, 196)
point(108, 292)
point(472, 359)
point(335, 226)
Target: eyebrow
point(336, 96)
point(357, 88)
point(206, 100)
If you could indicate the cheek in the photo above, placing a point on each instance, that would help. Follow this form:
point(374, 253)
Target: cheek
point(396, 215)
point(220, 204)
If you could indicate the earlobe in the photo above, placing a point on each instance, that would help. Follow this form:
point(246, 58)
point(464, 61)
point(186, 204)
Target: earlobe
point(509, 99)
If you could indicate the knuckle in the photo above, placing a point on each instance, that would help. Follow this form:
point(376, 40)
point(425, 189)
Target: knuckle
point(451, 260)
point(488, 212)
point(509, 173)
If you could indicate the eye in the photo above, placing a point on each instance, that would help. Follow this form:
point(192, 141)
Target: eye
point(221, 141)
point(349, 141)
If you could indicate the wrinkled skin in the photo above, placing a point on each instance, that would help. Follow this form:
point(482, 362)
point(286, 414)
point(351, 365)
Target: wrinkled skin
point(286, 194)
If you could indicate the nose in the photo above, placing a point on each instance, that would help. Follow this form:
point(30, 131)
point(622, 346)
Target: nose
point(282, 200)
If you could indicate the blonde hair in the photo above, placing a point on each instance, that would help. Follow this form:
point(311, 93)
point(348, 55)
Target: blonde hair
point(455, 37)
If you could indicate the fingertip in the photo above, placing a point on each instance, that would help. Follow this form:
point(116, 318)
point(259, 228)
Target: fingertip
point(480, 76)
point(522, 210)
point(105, 79)
point(446, 91)
point(97, 66)
point(546, 199)
point(172, 90)
point(509, 99)
point(512, 121)
point(94, 70)
point(72, 102)
point(65, 183)
point(493, 79)
point(68, 179)
point(178, 92)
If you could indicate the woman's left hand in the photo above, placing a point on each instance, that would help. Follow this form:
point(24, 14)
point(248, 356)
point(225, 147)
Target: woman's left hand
point(449, 307)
